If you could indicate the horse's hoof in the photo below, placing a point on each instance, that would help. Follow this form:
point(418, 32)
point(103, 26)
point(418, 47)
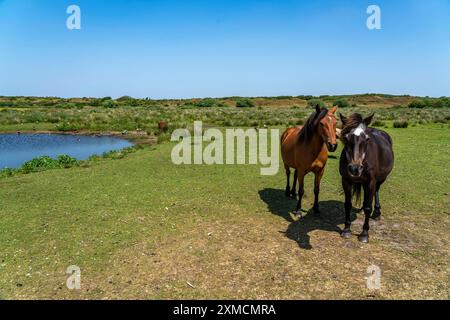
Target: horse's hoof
point(287, 194)
point(376, 217)
point(316, 213)
point(363, 238)
point(298, 214)
point(293, 195)
point(346, 234)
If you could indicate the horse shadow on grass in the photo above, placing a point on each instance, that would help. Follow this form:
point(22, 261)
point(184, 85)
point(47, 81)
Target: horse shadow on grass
point(331, 216)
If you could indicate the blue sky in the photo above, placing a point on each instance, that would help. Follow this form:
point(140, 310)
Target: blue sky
point(216, 48)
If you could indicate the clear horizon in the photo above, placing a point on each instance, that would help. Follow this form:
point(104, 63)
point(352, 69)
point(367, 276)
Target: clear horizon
point(195, 49)
point(226, 97)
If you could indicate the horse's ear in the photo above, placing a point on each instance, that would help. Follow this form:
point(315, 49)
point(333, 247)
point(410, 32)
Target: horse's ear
point(367, 121)
point(317, 108)
point(333, 111)
point(343, 119)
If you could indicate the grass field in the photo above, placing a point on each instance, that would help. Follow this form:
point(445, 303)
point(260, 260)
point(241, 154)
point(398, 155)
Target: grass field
point(141, 227)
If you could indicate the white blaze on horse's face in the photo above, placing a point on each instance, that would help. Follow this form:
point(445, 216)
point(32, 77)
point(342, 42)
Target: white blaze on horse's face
point(359, 130)
point(357, 139)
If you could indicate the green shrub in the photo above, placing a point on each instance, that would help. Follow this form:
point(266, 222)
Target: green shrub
point(442, 102)
point(95, 102)
point(440, 120)
point(6, 172)
point(39, 164)
point(245, 103)
point(210, 103)
point(163, 137)
point(66, 126)
point(313, 103)
point(124, 99)
point(46, 163)
point(70, 105)
point(66, 161)
point(378, 123)
point(108, 104)
point(401, 124)
point(417, 104)
point(341, 103)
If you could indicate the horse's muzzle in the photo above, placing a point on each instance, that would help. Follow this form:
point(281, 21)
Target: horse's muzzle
point(355, 170)
point(331, 147)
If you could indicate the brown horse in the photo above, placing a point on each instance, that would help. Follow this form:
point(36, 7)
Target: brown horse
point(305, 150)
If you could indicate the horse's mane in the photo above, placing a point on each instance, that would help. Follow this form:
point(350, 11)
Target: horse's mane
point(352, 122)
point(307, 131)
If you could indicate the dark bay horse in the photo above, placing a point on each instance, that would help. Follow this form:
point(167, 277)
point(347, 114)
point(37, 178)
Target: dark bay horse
point(366, 161)
point(305, 150)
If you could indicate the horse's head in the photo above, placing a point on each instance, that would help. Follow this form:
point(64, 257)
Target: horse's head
point(327, 129)
point(355, 138)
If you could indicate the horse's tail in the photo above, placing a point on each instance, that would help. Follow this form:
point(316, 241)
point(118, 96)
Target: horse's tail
point(356, 193)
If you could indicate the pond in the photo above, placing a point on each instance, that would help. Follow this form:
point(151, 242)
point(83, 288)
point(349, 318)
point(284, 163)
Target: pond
point(16, 149)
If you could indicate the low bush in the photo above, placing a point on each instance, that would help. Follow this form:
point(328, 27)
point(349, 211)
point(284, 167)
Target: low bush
point(65, 161)
point(245, 103)
point(39, 164)
point(45, 163)
point(401, 124)
point(443, 102)
point(210, 103)
point(313, 103)
point(341, 103)
point(163, 137)
point(417, 104)
point(108, 104)
point(66, 126)
point(378, 123)
point(6, 172)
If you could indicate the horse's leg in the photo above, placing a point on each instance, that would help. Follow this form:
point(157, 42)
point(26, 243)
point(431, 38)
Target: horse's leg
point(376, 215)
point(288, 175)
point(318, 177)
point(369, 192)
point(294, 185)
point(347, 186)
point(301, 192)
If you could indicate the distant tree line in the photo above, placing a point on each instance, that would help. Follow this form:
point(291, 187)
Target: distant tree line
point(239, 102)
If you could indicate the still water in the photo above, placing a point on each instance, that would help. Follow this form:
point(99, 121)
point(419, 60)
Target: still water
point(15, 149)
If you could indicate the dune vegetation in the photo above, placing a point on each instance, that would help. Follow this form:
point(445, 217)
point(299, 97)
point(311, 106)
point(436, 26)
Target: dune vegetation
point(125, 113)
